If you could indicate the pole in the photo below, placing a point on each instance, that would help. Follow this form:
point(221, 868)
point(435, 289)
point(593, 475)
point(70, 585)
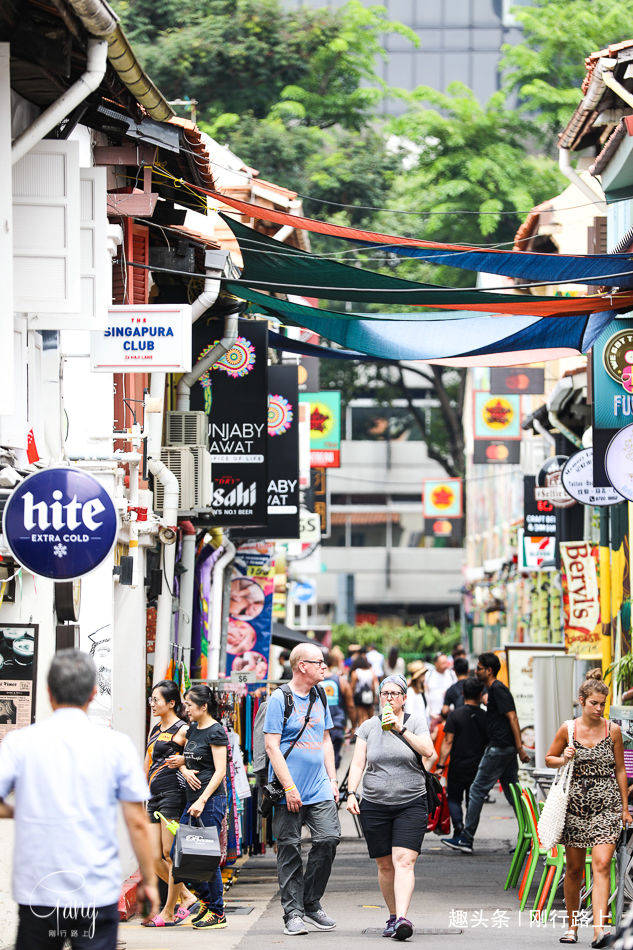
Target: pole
point(605, 595)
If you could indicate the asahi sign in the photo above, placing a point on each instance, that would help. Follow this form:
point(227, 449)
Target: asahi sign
point(234, 394)
point(60, 523)
point(138, 339)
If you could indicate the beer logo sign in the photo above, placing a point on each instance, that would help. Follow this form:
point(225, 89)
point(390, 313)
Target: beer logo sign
point(618, 358)
point(321, 420)
point(60, 523)
point(498, 413)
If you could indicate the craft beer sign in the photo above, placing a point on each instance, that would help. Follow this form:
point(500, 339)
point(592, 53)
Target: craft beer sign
point(138, 339)
point(60, 523)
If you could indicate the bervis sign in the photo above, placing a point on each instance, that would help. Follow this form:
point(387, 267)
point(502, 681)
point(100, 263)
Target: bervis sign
point(138, 339)
point(60, 523)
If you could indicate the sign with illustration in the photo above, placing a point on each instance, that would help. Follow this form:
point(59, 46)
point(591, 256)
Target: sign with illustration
point(325, 428)
point(234, 394)
point(496, 451)
point(536, 553)
point(497, 416)
point(619, 463)
point(527, 380)
point(577, 479)
point(141, 339)
point(18, 666)
point(520, 665)
point(250, 611)
point(581, 598)
point(612, 376)
point(549, 483)
point(442, 498)
point(60, 523)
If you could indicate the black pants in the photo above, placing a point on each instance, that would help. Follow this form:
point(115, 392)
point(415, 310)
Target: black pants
point(458, 788)
point(47, 928)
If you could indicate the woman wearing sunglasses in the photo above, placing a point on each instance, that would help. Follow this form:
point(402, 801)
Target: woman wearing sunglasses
point(393, 811)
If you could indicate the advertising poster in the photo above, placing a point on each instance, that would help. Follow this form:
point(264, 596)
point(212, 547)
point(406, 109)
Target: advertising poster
point(283, 457)
point(442, 498)
point(520, 661)
point(496, 451)
point(18, 663)
point(539, 517)
point(525, 380)
point(581, 598)
point(536, 554)
point(497, 416)
point(612, 356)
point(325, 428)
point(234, 395)
point(251, 611)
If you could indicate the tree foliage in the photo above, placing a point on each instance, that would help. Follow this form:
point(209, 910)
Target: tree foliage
point(419, 640)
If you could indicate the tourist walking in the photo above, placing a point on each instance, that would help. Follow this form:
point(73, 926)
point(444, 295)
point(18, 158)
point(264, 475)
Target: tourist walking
point(68, 773)
point(364, 683)
point(438, 680)
point(204, 771)
point(464, 741)
point(499, 761)
point(393, 810)
point(302, 759)
point(416, 703)
point(597, 806)
point(340, 703)
point(454, 695)
point(167, 795)
point(394, 663)
point(377, 661)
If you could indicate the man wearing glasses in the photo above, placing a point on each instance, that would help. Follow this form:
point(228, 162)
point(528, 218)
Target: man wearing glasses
point(308, 777)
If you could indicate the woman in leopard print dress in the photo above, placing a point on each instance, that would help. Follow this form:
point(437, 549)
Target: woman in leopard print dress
point(597, 805)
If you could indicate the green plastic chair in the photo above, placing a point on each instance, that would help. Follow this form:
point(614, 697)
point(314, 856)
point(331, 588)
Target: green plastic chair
point(523, 840)
point(530, 811)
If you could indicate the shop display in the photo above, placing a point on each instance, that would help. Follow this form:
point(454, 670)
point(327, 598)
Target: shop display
point(18, 662)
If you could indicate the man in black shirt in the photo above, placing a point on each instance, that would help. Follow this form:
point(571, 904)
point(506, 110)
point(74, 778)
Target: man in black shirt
point(499, 762)
point(454, 695)
point(465, 741)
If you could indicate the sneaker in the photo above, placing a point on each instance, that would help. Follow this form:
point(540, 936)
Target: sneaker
point(201, 913)
point(295, 926)
point(461, 844)
point(319, 919)
point(211, 920)
point(450, 842)
point(403, 929)
point(391, 926)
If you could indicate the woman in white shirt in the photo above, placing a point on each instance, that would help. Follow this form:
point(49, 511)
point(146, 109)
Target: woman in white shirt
point(415, 703)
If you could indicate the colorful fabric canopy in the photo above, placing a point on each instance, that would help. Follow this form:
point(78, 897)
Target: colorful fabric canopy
point(471, 341)
point(279, 268)
point(612, 269)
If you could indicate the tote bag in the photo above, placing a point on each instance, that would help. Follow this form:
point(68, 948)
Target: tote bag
point(197, 852)
point(552, 819)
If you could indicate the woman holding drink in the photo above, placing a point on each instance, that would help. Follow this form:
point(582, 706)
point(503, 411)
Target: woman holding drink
point(393, 811)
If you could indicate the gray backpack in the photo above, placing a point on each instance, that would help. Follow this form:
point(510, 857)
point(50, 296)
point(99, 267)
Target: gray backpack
point(260, 759)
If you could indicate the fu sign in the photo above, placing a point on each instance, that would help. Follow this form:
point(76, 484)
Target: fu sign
point(136, 339)
point(60, 523)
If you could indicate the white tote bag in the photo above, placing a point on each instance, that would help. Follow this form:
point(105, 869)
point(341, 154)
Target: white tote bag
point(552, 819)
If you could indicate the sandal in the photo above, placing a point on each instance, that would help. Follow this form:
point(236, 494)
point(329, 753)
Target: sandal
point(183, 912)
point(570, 936)
point(601, 941)
point(158, 921)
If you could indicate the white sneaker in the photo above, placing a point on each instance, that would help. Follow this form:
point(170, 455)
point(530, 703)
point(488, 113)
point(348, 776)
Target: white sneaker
point(295, 926)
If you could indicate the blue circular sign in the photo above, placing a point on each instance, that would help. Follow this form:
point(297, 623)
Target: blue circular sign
point(60, 523)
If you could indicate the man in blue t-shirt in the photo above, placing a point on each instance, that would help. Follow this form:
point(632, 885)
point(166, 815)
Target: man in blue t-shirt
point(308, 777)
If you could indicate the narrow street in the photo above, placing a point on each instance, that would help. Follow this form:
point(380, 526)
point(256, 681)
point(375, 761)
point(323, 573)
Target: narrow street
point(458, 899)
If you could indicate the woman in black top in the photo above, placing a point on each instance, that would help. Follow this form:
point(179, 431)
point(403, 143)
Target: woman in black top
point(204, 770)
point(167, 791)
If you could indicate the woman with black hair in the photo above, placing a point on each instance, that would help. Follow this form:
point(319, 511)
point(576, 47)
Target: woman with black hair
point(204, 770)
point(167, 795)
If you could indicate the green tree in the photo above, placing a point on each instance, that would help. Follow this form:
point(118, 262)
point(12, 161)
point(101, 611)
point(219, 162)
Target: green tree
point(547, 68)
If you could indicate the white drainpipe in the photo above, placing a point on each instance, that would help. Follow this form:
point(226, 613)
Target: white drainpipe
point(565, 165)
point(222, 346)
point(58, 110)
point(215, 639)
point(185, 608)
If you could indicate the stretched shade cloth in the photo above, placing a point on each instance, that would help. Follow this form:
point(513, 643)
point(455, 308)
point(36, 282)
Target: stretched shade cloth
point(613, 269)
point(470, 341)
point(278, 268)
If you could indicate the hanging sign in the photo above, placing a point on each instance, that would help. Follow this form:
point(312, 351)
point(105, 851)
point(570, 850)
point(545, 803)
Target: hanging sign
point(141, 339)
point(234, 394)
point(442, 498)
point(18, 675)
point(539, 517)
point(60, 523)
point(517, 379)
point(577, 480)
point(309, 372)
point(536, 554)
point(496, 451)
point(619, 463)
point(549, 486)
point(581, 598)
point(612, 363)
point(318, 498)
point(310, 527)
point(250, 612)
point(497, 416)
point(325, 428)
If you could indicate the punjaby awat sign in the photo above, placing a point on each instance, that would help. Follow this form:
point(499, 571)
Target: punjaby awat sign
point(139, 338)
point(581, 597)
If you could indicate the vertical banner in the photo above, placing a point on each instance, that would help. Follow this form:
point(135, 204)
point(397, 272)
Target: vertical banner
point(325, 428)
point(250, 612)
point(234, 395)
point(581, 598)
point(18, 643)
point(318, 498)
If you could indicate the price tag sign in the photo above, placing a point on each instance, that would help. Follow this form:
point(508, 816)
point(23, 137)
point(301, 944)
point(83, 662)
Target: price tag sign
point(244, 676)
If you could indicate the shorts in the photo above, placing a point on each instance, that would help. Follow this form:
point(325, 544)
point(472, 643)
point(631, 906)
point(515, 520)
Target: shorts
point(393, 826)
point(169, 802)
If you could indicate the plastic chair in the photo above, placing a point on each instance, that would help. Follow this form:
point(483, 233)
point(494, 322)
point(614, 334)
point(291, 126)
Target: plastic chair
point(523, 840)
point(530, 811)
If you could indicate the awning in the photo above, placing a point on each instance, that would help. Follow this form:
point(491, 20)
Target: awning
point(365, 517)
point(285, 637)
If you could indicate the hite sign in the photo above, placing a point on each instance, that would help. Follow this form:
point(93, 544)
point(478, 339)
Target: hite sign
point(234, 394)
point(140, 338)
point(60, 523)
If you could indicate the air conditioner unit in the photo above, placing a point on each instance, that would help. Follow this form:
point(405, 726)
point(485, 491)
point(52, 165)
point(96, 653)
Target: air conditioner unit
point(180, 461)
point(201, 476)
point(187, 428)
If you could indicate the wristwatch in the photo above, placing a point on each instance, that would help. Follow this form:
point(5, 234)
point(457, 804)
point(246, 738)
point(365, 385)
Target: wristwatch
point(402, 731)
